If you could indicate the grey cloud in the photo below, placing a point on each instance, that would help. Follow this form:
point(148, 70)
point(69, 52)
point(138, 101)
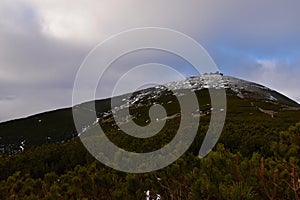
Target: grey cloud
point(44, 42)
point(7, 98)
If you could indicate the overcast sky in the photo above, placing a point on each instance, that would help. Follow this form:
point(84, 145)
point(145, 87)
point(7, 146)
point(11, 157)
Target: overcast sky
point(43, 43)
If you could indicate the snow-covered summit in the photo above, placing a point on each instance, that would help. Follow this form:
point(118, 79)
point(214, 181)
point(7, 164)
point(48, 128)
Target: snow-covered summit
point(239, 87)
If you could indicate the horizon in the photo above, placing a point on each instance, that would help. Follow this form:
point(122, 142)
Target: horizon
point(71, 106)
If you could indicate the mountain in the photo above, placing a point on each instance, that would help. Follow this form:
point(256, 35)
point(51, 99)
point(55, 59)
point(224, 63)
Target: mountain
point(245, 100)
point(242, 88)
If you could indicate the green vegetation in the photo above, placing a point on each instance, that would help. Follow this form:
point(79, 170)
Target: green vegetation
point(257, 157)
point(40, 173)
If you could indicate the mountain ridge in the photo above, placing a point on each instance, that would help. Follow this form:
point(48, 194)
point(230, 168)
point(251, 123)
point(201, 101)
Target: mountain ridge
point(294, 103)
point(58, 125)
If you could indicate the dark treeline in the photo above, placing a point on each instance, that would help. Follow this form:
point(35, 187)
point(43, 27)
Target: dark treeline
point(67, 171)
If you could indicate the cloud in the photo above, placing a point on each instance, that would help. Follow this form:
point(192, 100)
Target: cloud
point(44, 42)
point(278, 75)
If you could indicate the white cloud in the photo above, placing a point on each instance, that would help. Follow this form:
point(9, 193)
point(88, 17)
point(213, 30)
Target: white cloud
point(267, 64)
point(278, 75)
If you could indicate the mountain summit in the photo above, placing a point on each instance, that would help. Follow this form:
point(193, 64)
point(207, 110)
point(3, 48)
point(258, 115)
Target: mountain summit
point(245, 99)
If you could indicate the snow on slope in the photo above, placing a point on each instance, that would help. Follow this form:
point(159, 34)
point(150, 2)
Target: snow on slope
point(242, 88)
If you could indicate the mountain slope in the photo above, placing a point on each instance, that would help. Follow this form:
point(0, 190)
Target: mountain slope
point(246, 101)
